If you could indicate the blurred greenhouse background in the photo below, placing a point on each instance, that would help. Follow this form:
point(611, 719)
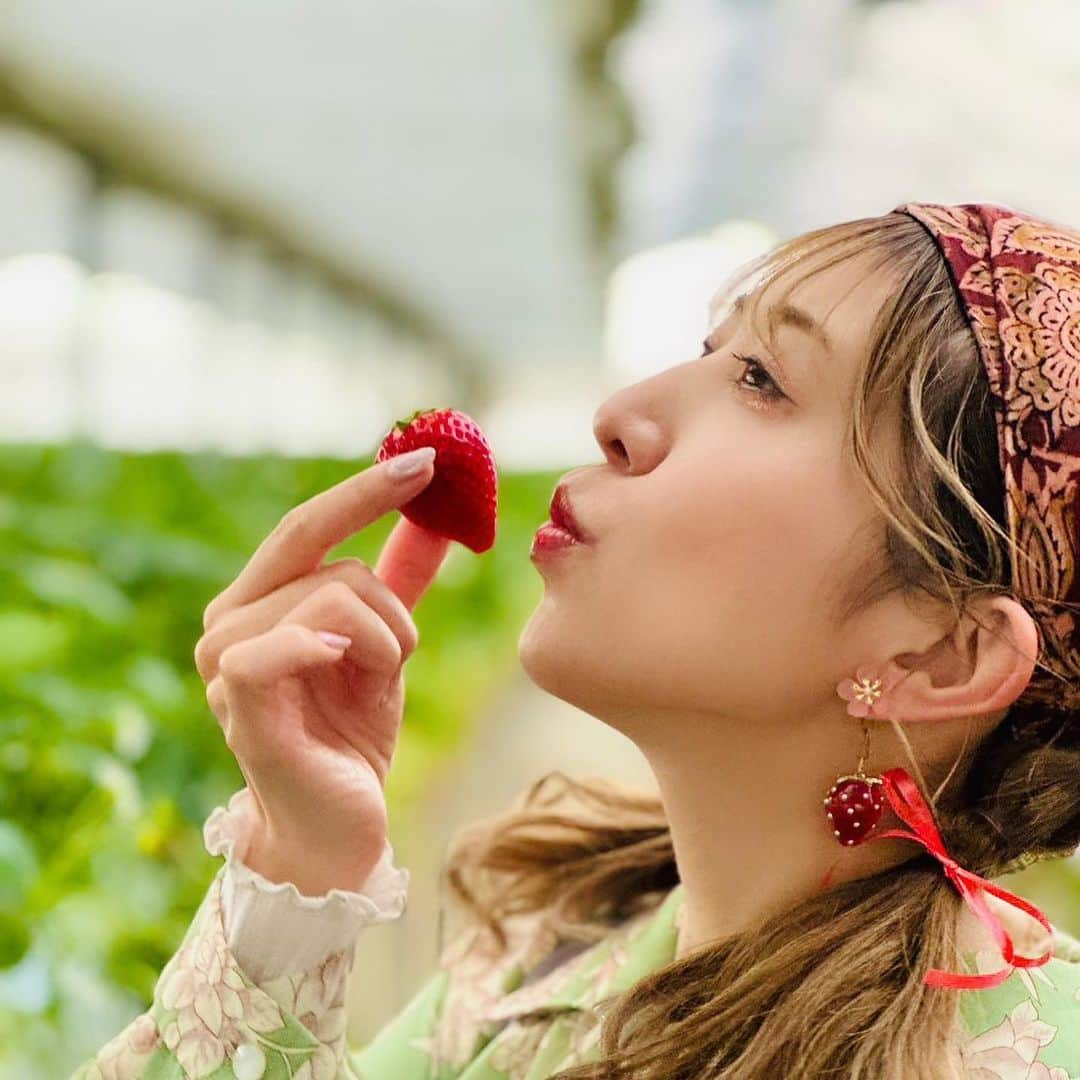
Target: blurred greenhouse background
point(238, 241)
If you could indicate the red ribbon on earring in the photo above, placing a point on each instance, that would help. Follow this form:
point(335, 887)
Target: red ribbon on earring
point(910, 806)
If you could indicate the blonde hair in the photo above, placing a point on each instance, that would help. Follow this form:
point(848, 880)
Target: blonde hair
point(833, 987)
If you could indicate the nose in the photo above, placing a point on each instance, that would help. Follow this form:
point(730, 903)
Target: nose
point(630, 439)
point(605, 432)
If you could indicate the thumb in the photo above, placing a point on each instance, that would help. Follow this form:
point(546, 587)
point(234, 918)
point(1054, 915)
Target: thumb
point(410, 559)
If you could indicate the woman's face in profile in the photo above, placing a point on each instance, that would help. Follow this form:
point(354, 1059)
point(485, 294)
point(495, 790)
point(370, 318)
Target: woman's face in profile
point(726, 520)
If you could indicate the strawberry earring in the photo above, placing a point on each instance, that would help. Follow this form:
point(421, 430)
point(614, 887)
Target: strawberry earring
point(856, 801)
point(854, 807)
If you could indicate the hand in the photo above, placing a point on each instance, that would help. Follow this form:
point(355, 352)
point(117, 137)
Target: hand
point(314, 727)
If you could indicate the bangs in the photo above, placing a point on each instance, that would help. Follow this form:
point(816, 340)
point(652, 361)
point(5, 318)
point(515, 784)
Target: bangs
point(795, 261)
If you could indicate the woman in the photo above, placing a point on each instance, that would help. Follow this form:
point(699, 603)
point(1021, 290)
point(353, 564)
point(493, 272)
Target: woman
point(849, 536)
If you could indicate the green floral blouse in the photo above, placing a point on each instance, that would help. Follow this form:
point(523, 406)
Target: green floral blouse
point(476, 1019)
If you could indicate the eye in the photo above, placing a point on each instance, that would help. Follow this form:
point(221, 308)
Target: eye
point(752, 364)
point(767, 389)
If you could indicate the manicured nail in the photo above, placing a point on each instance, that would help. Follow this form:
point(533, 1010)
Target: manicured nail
point(411, 463)
point(339, 641)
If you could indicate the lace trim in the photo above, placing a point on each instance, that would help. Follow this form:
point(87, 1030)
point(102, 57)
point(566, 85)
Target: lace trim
point(227, 831)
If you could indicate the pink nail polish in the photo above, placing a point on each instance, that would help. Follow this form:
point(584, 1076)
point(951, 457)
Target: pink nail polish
point(411, 463)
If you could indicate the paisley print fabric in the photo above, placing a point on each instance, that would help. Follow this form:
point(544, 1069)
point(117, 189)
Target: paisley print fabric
point(1018, 279)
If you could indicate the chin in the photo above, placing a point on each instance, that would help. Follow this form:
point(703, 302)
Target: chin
point(547, 653)
point(538, 650)
point(561, 666)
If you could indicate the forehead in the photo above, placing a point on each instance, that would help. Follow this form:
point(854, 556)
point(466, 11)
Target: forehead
point(844, 298)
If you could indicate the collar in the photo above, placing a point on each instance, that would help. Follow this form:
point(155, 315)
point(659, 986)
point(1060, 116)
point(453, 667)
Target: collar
point(642, 944)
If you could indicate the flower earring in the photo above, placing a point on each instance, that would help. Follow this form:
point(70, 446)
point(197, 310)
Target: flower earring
point(855, 802)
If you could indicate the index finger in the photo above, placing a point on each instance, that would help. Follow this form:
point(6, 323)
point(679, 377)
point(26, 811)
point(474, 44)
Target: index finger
point(302, 538)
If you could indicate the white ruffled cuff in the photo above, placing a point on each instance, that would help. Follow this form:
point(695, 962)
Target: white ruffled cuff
point(272, 928)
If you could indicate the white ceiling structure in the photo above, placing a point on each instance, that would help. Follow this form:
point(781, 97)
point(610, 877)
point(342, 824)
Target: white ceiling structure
point(800, 113)
point(424, 140)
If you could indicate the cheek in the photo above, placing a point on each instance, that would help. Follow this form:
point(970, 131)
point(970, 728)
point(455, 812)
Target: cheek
point(713, 579)
point(746, 545)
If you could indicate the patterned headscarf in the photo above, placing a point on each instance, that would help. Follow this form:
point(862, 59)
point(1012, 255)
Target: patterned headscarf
point(1018, 279)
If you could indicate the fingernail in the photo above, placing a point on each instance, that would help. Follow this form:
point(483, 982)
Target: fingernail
point(411, 463)
point(339, 641)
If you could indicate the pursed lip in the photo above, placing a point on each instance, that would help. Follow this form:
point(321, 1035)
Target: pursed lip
point(562, 514)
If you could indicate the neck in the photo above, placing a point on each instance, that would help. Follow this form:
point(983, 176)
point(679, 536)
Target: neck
point(748, 822)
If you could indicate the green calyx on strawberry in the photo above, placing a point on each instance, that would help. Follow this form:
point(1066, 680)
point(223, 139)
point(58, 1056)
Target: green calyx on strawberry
point(460, 502)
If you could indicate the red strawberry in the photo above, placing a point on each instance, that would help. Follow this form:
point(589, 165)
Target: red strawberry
point(460, 501)
point(855, 805)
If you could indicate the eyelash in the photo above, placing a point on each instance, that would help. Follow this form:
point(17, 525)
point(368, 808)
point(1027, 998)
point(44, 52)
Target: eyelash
point(751, 362)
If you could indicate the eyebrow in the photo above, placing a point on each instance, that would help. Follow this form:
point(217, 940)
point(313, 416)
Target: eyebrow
point(790, 315)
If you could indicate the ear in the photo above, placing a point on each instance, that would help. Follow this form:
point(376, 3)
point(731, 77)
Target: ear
point(972, 670)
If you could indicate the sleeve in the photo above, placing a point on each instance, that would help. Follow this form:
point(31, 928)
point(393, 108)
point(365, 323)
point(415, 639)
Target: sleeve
point(271, 927)
point(212, 1016)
